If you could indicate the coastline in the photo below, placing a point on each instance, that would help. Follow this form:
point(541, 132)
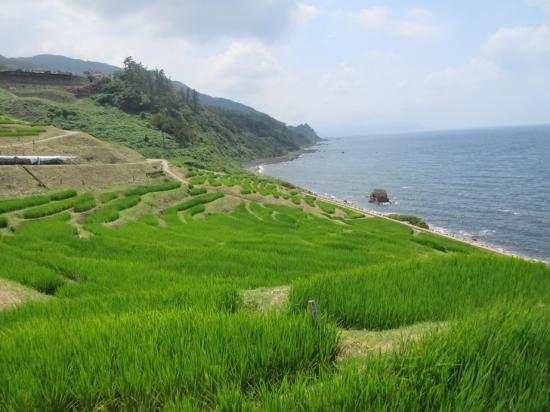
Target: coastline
point(256, 167)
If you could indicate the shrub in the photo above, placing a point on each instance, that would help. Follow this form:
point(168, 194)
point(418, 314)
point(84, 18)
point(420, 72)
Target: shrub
point(3, 222)
point(413, 220)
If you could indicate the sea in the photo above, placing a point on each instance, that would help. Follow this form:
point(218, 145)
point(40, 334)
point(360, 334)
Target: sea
point(491, 186)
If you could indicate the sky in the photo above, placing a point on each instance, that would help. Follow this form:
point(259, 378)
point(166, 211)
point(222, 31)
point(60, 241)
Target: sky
point(345, 67)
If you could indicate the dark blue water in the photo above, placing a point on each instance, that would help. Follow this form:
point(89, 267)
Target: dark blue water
point(489, 185)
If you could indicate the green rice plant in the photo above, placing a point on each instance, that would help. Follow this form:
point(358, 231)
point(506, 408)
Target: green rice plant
point(198, 201)
point(126, 202)
point(199, 180)
point(103, 215)
point(214, 182)
point(413, 220)
point(151, 220)
point(442, 244)
point(296, 199)
point(27, 272)
point(63, 195)
point(52, 208)
point(8, 120)
point(495, 360)
point(197, 191)
point(351, 214)
point(21, 132)
point(108, 196)
point(111, 213)
point(310, 200)
point(191, 173)
point(84, 206)
point(437, 289)
point(200, 356)
point(3, 222)
point(23, 203)
point(161, 187)
point(326, 207)
point(195, 210)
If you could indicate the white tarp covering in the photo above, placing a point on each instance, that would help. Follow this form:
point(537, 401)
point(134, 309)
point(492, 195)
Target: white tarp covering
point(35, 160)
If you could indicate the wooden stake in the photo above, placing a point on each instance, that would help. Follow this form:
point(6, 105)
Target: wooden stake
point(313, 311)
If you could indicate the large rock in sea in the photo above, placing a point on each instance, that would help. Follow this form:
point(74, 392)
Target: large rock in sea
point(379, 196)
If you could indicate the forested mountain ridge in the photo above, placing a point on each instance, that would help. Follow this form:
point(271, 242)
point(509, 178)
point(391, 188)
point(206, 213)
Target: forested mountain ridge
point(80, 67)
point(142, 109)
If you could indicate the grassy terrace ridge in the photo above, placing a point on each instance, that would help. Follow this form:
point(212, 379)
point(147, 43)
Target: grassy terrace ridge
point(193, 295)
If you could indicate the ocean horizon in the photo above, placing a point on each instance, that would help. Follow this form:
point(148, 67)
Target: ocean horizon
point(487, 185)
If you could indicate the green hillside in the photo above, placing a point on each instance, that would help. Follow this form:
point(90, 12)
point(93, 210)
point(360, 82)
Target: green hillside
point(141, 109)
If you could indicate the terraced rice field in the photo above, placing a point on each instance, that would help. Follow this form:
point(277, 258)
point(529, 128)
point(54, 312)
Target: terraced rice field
point(160, 301)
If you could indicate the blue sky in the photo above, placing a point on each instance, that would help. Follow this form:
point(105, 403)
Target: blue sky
point(345, 67)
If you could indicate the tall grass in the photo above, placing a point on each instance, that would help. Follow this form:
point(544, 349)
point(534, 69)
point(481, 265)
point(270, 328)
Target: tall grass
point(389, 296)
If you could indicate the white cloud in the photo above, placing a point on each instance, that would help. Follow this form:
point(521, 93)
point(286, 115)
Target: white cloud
point(418, 25)
point(374, 17)
point(304, 12)
point(339, 81)
point(240, 70)
point(520, 47)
